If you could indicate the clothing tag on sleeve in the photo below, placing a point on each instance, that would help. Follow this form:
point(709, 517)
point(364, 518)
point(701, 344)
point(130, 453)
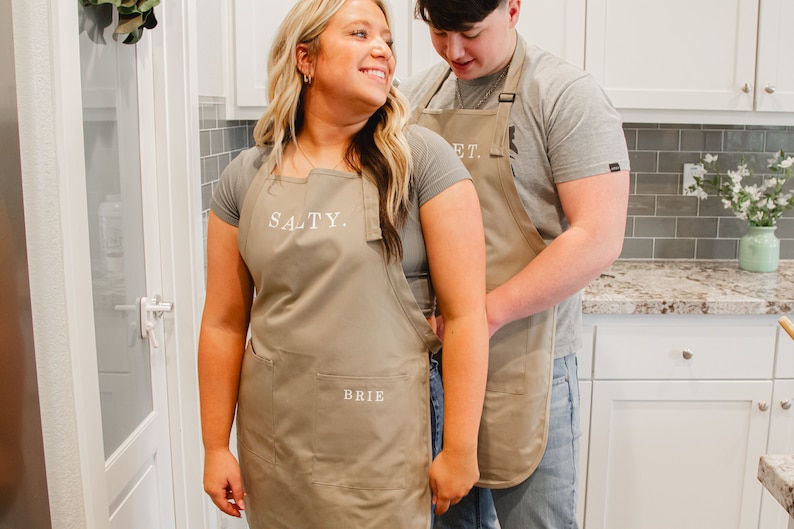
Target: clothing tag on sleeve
point(614, 167)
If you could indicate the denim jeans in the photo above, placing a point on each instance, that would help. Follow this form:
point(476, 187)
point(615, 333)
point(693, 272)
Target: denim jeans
point(436, 415)
point(547, 498)
point(436, 407)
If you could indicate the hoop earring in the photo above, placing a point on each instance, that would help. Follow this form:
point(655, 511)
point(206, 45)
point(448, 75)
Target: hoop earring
point(307, 79)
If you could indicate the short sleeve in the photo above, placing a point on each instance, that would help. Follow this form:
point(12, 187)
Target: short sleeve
point(436, 165)
point(227, 199)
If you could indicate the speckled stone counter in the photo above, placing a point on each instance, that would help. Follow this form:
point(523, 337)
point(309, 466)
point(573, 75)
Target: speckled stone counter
point(776, 473)
point(690, 287)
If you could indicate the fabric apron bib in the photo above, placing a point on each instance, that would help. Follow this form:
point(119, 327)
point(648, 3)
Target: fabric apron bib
point(333, 414)
point(515, 415)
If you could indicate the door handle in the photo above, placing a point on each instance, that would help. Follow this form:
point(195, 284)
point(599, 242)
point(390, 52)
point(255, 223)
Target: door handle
point(153, 306)
point(146, 307)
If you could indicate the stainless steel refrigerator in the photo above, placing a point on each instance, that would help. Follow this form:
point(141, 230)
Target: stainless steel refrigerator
point(23, 481)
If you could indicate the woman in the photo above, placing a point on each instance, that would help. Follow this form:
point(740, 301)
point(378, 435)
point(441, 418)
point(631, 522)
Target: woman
point(310, 239)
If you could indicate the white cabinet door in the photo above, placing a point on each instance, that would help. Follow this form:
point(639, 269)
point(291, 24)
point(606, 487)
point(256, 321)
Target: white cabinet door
point(557, 26)
point(677, 54)
point(781, 441)
point(255, 24)
point(680, 454)
point(774, 91)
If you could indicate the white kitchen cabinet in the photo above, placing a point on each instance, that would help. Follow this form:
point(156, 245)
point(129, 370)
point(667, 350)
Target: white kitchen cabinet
point(255, 24)
point(774, 81)
point(781, 426)
point(694, 60)
point(781, 441)
point(235, 40)
point(250, 26)
point(680, 414)
point(680, 454)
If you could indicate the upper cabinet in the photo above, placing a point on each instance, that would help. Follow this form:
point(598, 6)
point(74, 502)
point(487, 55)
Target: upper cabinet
point(774, 89)
point(678, 61)
point(694, 60)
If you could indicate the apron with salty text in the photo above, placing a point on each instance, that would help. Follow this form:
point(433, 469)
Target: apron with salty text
point(515, 417)
point(333, 425)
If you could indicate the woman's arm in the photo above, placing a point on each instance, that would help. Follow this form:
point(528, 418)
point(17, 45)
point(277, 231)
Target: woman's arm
point(453, 232)
point(224, 327)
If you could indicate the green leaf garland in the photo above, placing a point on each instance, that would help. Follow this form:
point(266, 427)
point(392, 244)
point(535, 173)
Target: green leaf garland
point(134, 17)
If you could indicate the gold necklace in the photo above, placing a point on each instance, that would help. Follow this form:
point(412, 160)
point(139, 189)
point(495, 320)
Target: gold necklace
point(298, 145)
point(487, 94)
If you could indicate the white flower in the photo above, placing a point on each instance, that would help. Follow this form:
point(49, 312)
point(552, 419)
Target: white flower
point(771, 182)
point(761, 204)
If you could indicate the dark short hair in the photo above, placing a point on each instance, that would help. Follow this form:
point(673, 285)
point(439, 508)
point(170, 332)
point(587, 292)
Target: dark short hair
point(454, 15)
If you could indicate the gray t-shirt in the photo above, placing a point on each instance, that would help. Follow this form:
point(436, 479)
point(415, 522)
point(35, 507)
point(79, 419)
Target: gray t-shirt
point(435, 168)
point(562, 127)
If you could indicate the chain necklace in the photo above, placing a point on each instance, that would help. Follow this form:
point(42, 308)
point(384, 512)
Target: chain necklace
point(487, 94)
point(298, 145)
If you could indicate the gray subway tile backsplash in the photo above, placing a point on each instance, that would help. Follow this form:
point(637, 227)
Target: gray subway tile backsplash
point(662, 222)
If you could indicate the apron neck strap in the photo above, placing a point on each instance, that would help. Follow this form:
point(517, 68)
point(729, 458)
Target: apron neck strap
point(506, 99)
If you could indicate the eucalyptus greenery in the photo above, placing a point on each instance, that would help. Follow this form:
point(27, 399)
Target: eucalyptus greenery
point(760, 204)
point(133, 17)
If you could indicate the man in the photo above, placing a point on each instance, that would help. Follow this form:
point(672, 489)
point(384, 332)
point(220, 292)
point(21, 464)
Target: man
point(548, 156)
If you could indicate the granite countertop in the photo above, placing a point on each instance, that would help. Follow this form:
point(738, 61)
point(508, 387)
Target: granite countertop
point(690, 287)
point(776, 473)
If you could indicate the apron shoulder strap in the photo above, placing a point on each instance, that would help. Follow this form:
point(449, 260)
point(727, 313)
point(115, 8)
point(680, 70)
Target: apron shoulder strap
point(428, 94)
point(507, 98)
point(249, 202)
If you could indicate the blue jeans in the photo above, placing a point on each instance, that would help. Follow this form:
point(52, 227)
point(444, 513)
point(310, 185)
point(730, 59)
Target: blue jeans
point(436, 415)
point(547, 498)
point(436, 407)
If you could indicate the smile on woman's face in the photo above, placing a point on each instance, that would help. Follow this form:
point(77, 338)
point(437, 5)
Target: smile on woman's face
point(356, 60)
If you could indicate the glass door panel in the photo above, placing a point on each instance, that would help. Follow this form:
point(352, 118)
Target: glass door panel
point(113, 188)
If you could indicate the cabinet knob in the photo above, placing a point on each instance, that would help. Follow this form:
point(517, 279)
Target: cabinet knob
point(763, 405)
point(747, 88)
point(770, 89)
point(785, 404)
point(687, 354)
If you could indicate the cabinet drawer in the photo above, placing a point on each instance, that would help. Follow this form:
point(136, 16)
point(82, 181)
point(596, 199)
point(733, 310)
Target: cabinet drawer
point(659, 351)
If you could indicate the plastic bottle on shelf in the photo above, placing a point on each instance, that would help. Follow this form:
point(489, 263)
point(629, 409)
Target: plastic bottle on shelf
point(111, 243)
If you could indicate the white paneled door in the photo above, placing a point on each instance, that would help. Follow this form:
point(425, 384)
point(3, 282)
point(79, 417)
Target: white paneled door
point(120, 186)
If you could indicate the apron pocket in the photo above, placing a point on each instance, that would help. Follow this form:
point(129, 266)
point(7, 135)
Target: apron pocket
point(255, 406)
point(359, 441)
point(507, 359)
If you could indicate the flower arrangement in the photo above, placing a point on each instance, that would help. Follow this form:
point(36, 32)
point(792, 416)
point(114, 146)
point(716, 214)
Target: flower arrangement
point(759, 204)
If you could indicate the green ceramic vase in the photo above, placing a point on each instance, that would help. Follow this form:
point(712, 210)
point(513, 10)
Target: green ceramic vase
point(759, 249)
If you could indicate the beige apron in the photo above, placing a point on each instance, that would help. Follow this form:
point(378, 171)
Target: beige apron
point(333, 413)
point(515, 416)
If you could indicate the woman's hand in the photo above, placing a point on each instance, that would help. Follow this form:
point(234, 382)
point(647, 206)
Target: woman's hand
point(452, 475)
point(222, 481)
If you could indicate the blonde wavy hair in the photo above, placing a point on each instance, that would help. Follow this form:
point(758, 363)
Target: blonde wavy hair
point(379, 151)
